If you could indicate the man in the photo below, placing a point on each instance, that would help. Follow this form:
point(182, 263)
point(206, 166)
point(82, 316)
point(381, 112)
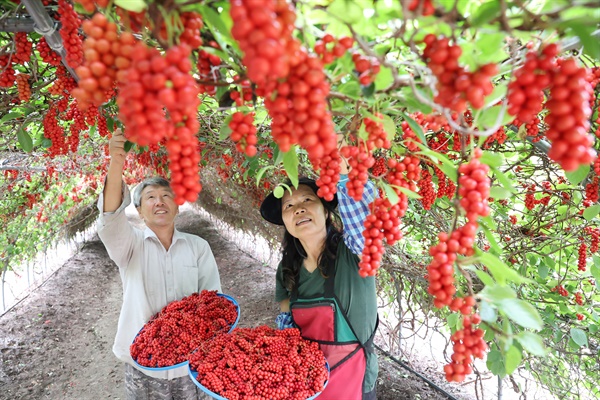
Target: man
point(157, 266)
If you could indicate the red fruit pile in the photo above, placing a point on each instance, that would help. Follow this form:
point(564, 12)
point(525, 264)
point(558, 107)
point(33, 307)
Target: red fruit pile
point(181, 326)
point(525, 93)
point(569, 114)
point(243, 132)
point(261, 362)
point(456, 86)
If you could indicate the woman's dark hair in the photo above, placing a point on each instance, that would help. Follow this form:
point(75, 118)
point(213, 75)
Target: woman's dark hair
point(294, 254)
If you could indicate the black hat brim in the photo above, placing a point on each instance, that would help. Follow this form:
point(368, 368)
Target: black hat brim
point(270, 209)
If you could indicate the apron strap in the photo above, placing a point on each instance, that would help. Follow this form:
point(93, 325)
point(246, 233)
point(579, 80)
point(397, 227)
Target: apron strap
point(369, 343)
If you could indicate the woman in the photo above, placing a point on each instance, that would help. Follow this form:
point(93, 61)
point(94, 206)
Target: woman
point(318, 285)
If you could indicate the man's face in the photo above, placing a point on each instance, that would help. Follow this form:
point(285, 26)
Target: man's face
point(157, 206)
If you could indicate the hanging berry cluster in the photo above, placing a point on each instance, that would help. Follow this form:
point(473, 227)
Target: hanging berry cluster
point(107, 56)
point(181, 326)
point(207, 71)
point(48, 55)
point(383, 223)
point(243, 132)
point(23, 48)
point(456, 86)
point(7, 72)
point(69, 32)
point(425, 6)
point(467, 343)
point(473, 191)
point(330, 48)
point(23, 87)
point(525, 94)
point(569, 114)
point(291, 81)
point(366, 67)
point(260, 362)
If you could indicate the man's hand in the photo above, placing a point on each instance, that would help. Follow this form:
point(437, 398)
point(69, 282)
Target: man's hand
point(116, 147)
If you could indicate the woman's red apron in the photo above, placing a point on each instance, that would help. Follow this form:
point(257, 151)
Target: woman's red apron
point(324, 321)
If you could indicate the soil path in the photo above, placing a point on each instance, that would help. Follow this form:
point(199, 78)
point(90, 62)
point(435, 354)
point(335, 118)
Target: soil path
point(56, 343)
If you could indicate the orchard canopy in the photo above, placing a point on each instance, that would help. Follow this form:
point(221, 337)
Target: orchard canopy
point(477, 120)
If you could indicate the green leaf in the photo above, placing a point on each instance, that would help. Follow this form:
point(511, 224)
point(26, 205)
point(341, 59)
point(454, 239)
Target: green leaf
point(522, 313)
point(492, 159)
point(489, 117)
point(391, 194)
point(261, 172)
point(290, 163)
point(346, 10)
point(350, 89)
point(225, 130)
point(452, 320)
point(131, 5)
point(389, 126)
point(543, 270)
point(500, 271)
point(409, 193)
point(10, 116)
point(575, 177)
point(384, 78)
point(503, 179)
point(562, 210)
point(532, 342)
point(127, 145)
point(499, 193)
point(589, 41)
point(497, 293)
point(494, 246)
point(278, 192)
point(487, 312)
point(495, 363)
point(595, 270)
point(24, 140)
point(579, 337)
point(591, 212)
point(415, 127)
point(513, 359)
point(485, 13)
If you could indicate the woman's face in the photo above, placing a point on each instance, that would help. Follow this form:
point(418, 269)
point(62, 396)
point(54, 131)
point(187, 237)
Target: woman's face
point(303, 213)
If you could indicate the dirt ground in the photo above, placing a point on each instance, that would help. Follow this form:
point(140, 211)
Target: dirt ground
point(56, 343)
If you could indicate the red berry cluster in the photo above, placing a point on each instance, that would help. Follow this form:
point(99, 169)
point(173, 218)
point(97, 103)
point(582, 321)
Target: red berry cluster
point(384, 220)
point(181, 326)
point(329, 174)
point(192, 24)
point(55, 133)
point(525, 93)
point(582, 255)
point(243, 132)
point(207, 71)
point(597, 166)
point(409, 137)
point(366, 67)
point(595, 237)
point(568, 117)
point(260, 363)
point(245, 96)
point(455, 85)
point(7, 72)
point(591, 190)
point(467, 343)
point(474, 187)
point(69, 32)
point(379, 167)
point(426, 190)
point(425, 6)
point(330, 48)
point(182, 102)
point(23, 87)
point(263, 30)
point(89, 6)
point(360, 157)
point(46, 53)
point(107, 59)
point(579, 298)
point(23, 48)
point(580, 317)
point(499, 137)
point(561, 290)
